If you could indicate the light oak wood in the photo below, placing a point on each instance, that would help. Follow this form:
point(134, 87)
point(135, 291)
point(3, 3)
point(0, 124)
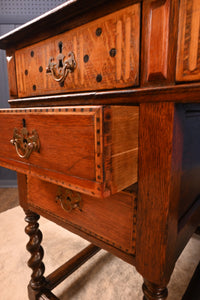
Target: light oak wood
point(119, 31)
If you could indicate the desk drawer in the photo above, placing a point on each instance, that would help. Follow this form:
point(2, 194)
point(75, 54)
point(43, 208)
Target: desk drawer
point(105, 52)
point(91, 149)
point(112, 219)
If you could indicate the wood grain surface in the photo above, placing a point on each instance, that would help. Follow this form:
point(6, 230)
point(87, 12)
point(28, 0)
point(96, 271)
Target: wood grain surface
point(159, 179)
point(159, 39)
point(81, 147)
point(188, 58)
point(115, 231)
point(106, 53)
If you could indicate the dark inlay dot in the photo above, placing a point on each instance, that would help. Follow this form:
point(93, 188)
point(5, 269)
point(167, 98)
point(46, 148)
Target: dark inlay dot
point(108, 116)
point(34, 87)
point(98, 31)
point(86, 58)
point(40, 69)
point(26, 72)
point(113, 52)
point(61, 84)
point(32, 53)
point(99, 78)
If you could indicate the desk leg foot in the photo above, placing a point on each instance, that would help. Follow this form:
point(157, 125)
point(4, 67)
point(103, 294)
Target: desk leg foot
point(35, 262)
point(153, 291)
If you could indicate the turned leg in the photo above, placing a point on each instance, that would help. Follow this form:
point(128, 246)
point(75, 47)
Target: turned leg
point(37, 281)
point(198, 230)
point(154, 292)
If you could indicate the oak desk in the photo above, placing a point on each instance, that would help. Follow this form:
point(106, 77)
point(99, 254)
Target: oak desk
point(103, 131)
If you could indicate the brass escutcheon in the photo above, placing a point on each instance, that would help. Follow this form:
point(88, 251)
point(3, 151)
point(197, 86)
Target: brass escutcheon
point(60, 69)
point(69, 199)
point(25, 143)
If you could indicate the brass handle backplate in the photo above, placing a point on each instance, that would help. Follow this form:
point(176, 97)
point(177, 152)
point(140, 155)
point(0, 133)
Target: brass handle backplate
point(25, 143)
point(69, 200)
point(60, 69)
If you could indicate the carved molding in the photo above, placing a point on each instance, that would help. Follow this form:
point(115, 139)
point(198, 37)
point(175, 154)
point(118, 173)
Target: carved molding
point(188, 58)
point(156, 41)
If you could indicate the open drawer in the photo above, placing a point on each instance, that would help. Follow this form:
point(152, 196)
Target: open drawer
point(92, 149)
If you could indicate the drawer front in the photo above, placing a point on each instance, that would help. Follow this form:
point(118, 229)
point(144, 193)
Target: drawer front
point(105, 51)
point(80, 147)
point(97, 217)
point(188, 58)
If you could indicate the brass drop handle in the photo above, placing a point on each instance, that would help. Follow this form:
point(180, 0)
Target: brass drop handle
point(25, 143)
point(69, 200)
point(61, 68)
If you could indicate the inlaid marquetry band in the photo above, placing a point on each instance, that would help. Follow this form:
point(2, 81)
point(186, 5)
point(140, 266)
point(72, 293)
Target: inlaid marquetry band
point(70, 110)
